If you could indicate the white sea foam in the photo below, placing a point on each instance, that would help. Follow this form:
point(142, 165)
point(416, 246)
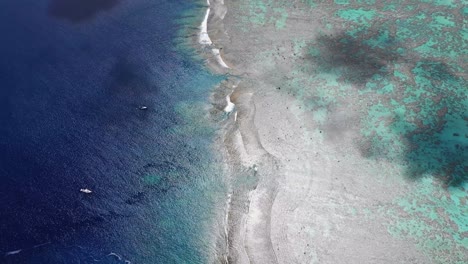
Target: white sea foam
point(115, 255)
point(219, 59)
point(14, 252)
point(40, 245)
point(204, 37)
point(208, 2)
point(230, 106)
point(226, 223)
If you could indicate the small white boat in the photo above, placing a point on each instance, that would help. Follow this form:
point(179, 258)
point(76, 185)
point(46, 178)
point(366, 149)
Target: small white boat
point(142, 107)
point(85, 190)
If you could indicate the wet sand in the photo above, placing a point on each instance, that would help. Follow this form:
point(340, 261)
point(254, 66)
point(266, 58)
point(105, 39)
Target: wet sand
point(302, 192)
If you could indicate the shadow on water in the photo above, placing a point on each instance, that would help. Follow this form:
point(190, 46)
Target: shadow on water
point(440, 151)
point(131, 79)
point(79, 10)
point(425, 113)
point(437, 137)
point(128, 85)
point(353, 59)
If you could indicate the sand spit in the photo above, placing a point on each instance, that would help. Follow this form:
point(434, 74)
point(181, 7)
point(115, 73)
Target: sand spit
point(249, 226)
point(249, 207)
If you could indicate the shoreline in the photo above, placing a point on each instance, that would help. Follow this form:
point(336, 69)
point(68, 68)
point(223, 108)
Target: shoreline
point(221, 97)
point(248, 209)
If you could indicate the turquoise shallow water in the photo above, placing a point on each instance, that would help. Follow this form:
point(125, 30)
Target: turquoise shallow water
point(408, 61)
point(401, 68)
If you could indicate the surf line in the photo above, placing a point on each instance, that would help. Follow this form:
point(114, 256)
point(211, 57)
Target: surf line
point(230, 105)
point(204, 38)
point(14, 252)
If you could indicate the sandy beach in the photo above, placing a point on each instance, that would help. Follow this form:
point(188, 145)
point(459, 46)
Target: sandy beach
point(303, 189)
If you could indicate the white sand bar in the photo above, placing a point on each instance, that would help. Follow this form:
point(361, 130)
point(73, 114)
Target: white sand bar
point(219, 59)
point(204, 38)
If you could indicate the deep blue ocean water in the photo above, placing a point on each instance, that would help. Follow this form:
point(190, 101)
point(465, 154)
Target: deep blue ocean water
point(72, 76)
